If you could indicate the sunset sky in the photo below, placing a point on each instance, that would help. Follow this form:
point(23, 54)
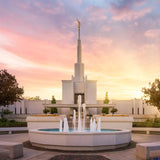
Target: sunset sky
point(120, 44)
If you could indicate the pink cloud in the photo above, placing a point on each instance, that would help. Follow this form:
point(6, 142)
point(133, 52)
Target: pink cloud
point(127, 10)
point(77, 1)
point(40, 50)
point(130, 15)
point(126, 5)
point(106, 29)
point(50, 8)
point(152, 33)
point(96, 13)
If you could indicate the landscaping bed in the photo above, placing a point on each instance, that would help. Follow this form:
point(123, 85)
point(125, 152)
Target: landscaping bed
point(11, 123)
point(148, 123)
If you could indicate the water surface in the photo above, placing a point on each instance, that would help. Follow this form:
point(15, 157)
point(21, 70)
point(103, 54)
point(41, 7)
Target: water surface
point(72, 130)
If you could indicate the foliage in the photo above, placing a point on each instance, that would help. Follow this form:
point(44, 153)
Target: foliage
point(45, 110)
point(12, 123)
point(53, 110)
point(36, 98)
point(9, 90)
point(3, 119)
point(53, 101)
point(89, 115)
point(7, 111)
point(106, 100)
point(152, 94)
point(154, 122)
point(114, 110)
point(105, 110)
point(148, 123)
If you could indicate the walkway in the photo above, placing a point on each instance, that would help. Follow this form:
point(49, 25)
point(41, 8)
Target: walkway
point(128, 154)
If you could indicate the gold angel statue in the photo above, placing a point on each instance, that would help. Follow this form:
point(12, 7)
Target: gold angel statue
point(79, 24)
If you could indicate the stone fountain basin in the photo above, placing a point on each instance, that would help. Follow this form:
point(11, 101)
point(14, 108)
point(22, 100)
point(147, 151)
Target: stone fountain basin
point(80, 141)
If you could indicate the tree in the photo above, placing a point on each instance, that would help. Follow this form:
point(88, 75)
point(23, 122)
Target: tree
point(105, 110)
point(9, 90)
point(53, 110)
point(152, 93)
point(114, 110)
point(106, 100)
point(53, 101)
point(36, 98)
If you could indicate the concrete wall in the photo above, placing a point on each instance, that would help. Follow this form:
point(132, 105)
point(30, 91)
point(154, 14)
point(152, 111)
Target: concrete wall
point(67, 92)
point(36, 122)
point(91, 90)
point(15, 108)
point(135, 106)
point(115, 122)
point(123, 106)
point(27, 107)
point(35, 107)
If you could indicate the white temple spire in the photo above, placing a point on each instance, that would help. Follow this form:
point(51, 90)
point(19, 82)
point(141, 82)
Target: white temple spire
point(79, 66)
point(79, 44)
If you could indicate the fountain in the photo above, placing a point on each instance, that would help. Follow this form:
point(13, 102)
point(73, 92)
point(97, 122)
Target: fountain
point(79, 114)
point(66, 128)
point(80, 138)
point(84, 115)
point(93, 126)
point(74, 120)
point(60, 126)
point(99, 125)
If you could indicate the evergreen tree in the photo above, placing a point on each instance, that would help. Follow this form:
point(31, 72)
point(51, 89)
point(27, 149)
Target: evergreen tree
point(53, 101)
point(106, 100)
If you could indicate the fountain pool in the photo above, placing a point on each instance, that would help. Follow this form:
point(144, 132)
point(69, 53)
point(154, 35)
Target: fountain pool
point(72, 130)
point(79, 141)
point(79, 138)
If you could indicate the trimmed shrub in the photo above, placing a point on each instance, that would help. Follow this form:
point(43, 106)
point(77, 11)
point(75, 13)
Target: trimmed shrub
point(114, 110)
point(105, 110)
point(53, 110)
point(45, 111)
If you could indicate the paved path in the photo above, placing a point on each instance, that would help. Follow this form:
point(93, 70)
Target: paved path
point(10, 130)
point(128, 154)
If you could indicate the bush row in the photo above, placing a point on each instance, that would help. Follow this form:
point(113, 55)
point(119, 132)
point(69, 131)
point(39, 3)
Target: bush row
point(12, 123)
point(146, 124)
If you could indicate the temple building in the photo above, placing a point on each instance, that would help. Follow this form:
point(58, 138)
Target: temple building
point(79, 85)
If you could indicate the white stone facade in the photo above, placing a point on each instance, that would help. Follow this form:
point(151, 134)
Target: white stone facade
point(79, 85)
point(67, 92)
point(123, 106)
point(135, 107)
point(27, 107)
